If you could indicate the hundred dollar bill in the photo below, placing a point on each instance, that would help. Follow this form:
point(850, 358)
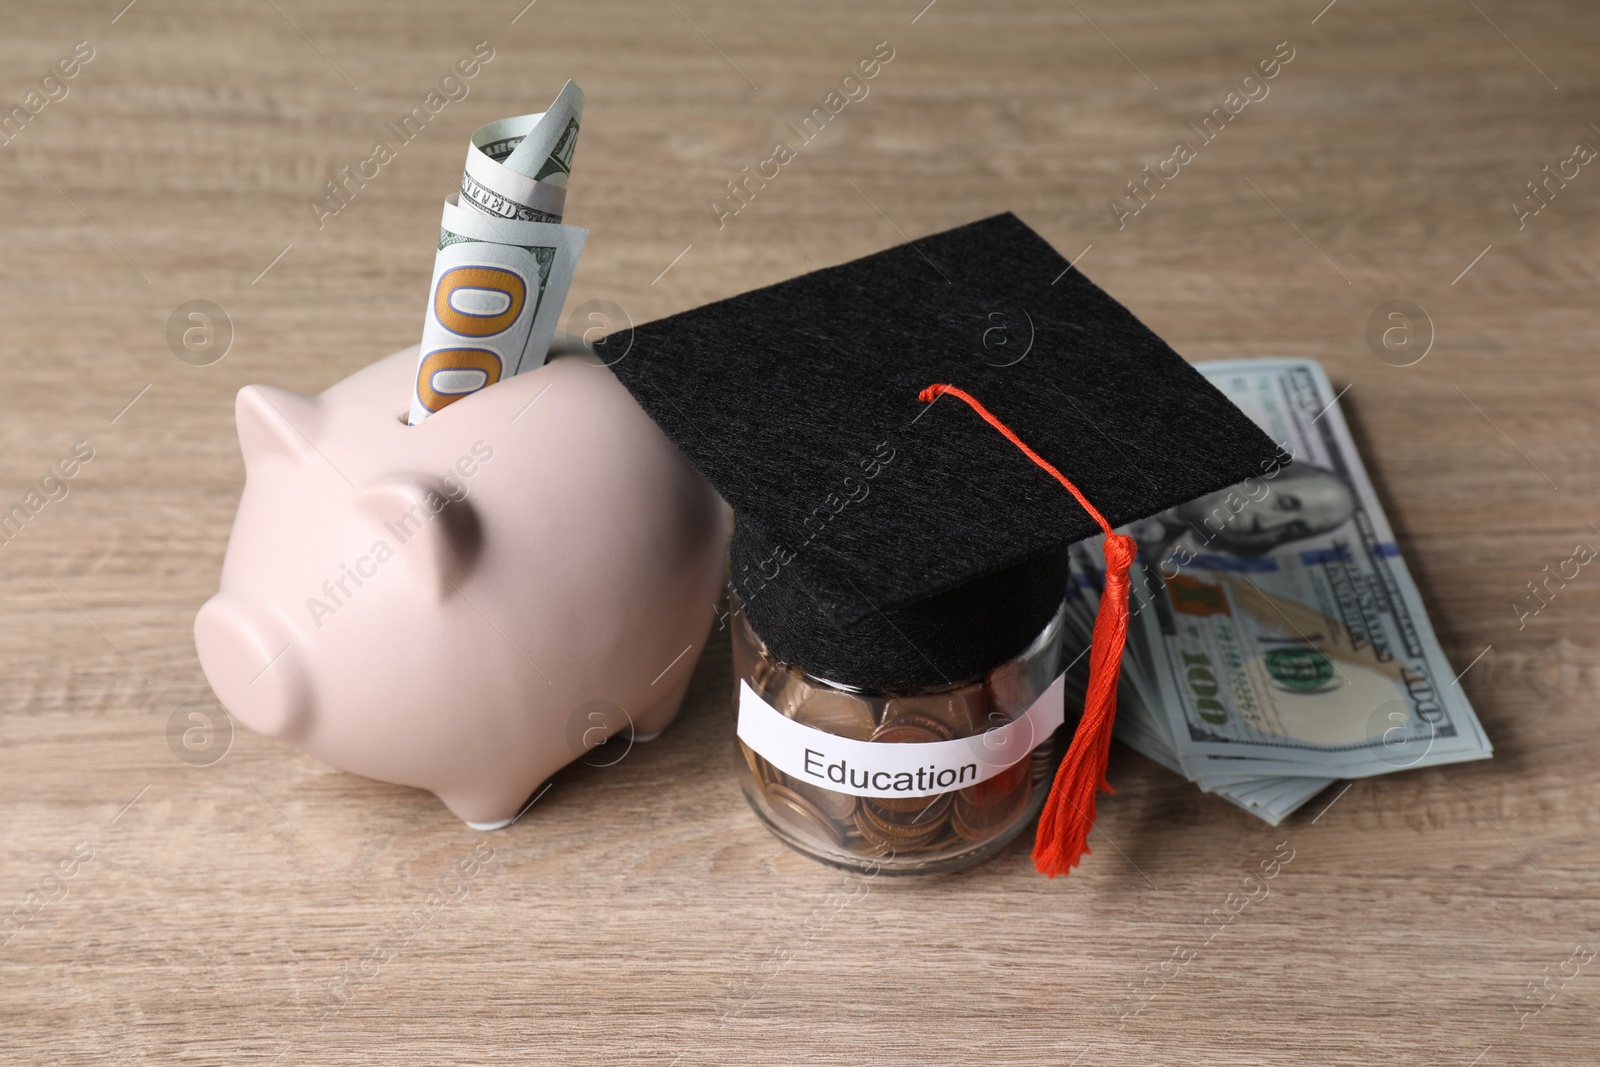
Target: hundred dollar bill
point(1282, 632)
point(1278, 642)
point(504, 261)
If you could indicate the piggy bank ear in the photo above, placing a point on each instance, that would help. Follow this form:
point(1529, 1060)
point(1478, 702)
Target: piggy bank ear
point(435, 532)
point(276, 422)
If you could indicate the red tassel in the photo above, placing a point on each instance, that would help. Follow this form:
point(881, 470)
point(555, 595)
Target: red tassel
point(1069, 810)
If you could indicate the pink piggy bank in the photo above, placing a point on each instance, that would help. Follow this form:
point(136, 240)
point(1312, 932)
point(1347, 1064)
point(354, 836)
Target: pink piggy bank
point(465, 605)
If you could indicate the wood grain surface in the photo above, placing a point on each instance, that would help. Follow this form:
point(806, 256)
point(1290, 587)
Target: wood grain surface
point(268, 909)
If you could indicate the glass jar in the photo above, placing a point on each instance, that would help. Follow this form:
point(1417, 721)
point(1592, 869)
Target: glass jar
point(943, 831)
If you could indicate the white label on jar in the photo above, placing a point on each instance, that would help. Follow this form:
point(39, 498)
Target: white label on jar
point(893, 769)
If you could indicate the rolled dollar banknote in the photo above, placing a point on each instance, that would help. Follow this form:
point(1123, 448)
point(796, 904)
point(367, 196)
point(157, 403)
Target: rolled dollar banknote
point(504, 260)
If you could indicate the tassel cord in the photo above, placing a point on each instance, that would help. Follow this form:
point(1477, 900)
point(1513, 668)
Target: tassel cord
point(1069, 811)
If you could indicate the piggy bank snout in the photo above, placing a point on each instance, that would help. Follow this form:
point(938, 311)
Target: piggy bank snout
point(254, 668)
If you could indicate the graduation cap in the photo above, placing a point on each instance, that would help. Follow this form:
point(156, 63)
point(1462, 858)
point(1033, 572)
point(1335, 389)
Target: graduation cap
point(909, 443)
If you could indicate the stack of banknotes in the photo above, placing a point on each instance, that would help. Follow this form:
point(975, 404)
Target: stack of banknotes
point(1277, 642)
point(504, 260)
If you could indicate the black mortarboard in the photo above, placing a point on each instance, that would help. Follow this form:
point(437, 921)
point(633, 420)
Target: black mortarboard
point(885, 543)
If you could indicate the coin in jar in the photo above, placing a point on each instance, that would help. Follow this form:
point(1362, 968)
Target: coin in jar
point(957, 711)
point(980, 811)
point(835, 713)
point(840, 806)
point(802, 815)
point(914, 729)
point(1043, 762)
point(905, 826)
point(900, 839)
point(911, 726)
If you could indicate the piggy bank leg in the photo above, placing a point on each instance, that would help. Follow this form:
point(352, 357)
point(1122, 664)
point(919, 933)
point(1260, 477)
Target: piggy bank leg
point(496, 811)
point(652, 721)
point(498, 824)
point(491, 812)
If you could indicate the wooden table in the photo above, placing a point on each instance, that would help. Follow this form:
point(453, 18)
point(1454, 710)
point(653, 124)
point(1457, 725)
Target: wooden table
point(268, 909)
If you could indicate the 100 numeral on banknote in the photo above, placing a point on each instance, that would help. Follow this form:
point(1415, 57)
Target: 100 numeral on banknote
point(497, 290)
